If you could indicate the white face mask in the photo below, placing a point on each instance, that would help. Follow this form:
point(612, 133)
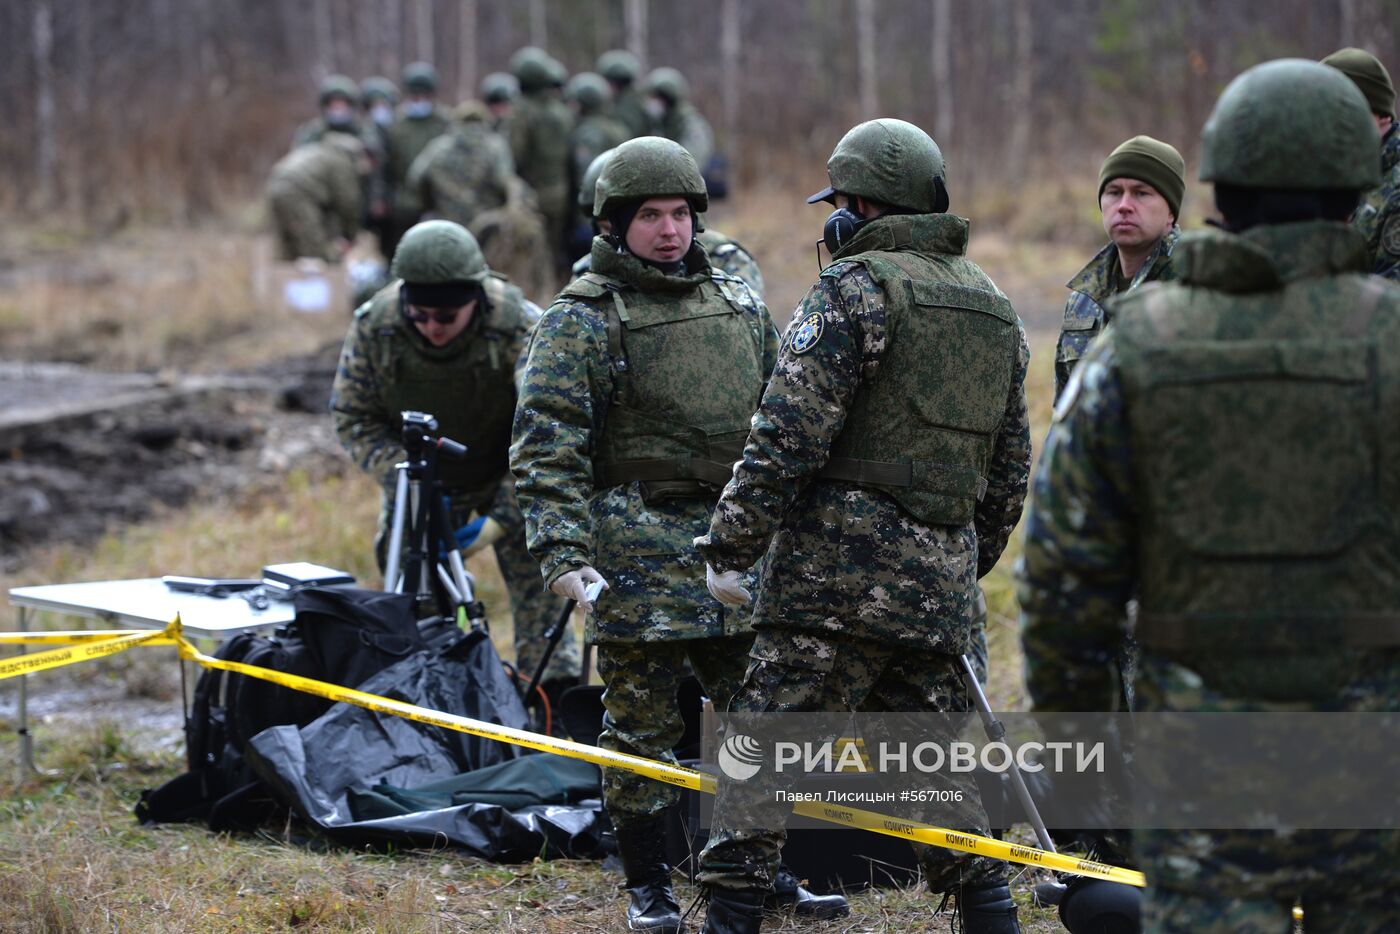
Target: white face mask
point(382, 114)
point(418, 108)
point(655, 108)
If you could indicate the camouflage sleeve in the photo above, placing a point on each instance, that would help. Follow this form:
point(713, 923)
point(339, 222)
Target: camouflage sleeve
point(1000, 508)
point(563, 401)
point(419, 178)
point(1076, 576)
point(348, 197)
point(698, 139)
point(1387, 255)
point(362, 420)
point(803, 409)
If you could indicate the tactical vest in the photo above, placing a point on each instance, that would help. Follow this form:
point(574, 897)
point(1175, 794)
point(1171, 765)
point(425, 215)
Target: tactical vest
point(688, 375)
point(468, 385)
point(923, 428)
point(1263, 430)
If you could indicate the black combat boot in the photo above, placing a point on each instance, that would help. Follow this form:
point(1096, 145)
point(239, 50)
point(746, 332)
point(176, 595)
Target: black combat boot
point(734, 911)
point(987, 908)
point(641, 846)
point(788, 892)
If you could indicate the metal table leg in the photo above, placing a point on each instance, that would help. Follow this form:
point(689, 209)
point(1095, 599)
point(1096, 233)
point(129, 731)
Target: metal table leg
point(26, 742)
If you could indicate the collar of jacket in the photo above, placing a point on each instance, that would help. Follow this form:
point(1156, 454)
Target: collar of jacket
point(1097, 278)
point(915, 233)
point(1390, 149)
point(629, 270)
point(1270, 256)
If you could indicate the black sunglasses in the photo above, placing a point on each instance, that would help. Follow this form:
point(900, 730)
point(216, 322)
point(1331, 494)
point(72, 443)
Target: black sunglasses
point(437, 315)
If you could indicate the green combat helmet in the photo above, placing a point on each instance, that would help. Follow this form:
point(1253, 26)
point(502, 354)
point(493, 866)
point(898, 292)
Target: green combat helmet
point(668, 83)
point(619, 65)
point(558, 74)
point(437, 252)
point(499, 88)
point(338, 86)
point(589, 90)
point(1291, 124)
point(420, 77)
point(889, 161)
point(588, 185)
point(378, 88)
point(531, 67)
point(649, 167)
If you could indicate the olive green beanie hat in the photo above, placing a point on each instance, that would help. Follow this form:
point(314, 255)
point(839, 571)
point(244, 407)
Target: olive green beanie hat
point(1152, 161)
point(1368, 74)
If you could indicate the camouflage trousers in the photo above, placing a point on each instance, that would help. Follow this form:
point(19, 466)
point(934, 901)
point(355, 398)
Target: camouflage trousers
point(642, 718)
point(533, 608)
point(301, 225)
point(1248, 881)
point(797, 672)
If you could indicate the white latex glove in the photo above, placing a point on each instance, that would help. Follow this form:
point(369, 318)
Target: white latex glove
point(576, 584)
point(726, 588)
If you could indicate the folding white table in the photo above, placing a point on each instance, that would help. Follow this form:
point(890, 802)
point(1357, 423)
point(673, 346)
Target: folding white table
point(145, 603)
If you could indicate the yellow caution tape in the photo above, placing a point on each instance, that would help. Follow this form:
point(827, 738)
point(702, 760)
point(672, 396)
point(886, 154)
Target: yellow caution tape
point(677, 775)
point(79, 636)
point(90, 649)
point(106, 643)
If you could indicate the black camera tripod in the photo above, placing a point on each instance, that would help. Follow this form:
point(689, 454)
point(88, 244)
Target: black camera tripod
point(420, 557)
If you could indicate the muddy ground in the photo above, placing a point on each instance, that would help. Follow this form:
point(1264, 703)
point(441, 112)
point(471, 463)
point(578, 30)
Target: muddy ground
point(82, 451)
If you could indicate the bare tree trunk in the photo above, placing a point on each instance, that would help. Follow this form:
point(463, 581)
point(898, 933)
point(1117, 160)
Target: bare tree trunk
point(539, 25)
point(389, 53)
point(466, 50)
point(1022, 87)
point(941, 57)
point(635, 14)
point(423, 30)
point(865, 57)
point(325, 48)
point(729, 59)
point(44, 111)
point(1348, 11)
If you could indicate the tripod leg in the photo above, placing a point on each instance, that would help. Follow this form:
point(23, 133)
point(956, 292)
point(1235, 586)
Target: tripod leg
point(391, 564)
point(555, 633)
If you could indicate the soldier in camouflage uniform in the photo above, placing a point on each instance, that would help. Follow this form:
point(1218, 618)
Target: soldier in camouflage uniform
point(539, 141)
point(498, 92)
point(621, 69)
point(314, 194)
point(725, 253)
point(420, 122)
point(400, 354)
point(594, 133)
point(1140, 188)
point(1224, 455)
point(675, 117)
point(637, 394)
point(887, 465)
point(1378, 215)
point(464, 172)
point(337, 98)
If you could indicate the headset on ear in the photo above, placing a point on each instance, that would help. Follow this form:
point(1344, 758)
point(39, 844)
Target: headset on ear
point(940, 195)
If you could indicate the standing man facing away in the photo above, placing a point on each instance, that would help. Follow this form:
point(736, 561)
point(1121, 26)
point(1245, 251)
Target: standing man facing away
point(621, 68)
point(637, 394)
point(445, 338)
point(1225, 455)
point(539, 142)
point(1378, 215)
point(1141, 185)
point(887, 464)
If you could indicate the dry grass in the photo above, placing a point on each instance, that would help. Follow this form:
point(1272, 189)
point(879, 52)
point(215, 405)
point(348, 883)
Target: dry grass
point(72, 857)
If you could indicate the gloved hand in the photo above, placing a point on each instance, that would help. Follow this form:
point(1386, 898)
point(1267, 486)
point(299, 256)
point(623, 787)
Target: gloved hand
point(575, 585)
point(725, 587)
point(478, 534)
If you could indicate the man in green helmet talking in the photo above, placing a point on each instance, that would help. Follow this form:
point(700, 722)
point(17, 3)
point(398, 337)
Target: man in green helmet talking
point(886, 465)
point(445, 338)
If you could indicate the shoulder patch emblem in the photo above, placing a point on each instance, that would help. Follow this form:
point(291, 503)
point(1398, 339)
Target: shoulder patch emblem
point(807, 333)
point(1390, 236)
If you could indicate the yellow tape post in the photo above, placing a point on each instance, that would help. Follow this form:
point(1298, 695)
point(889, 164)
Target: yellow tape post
point(678, 775)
